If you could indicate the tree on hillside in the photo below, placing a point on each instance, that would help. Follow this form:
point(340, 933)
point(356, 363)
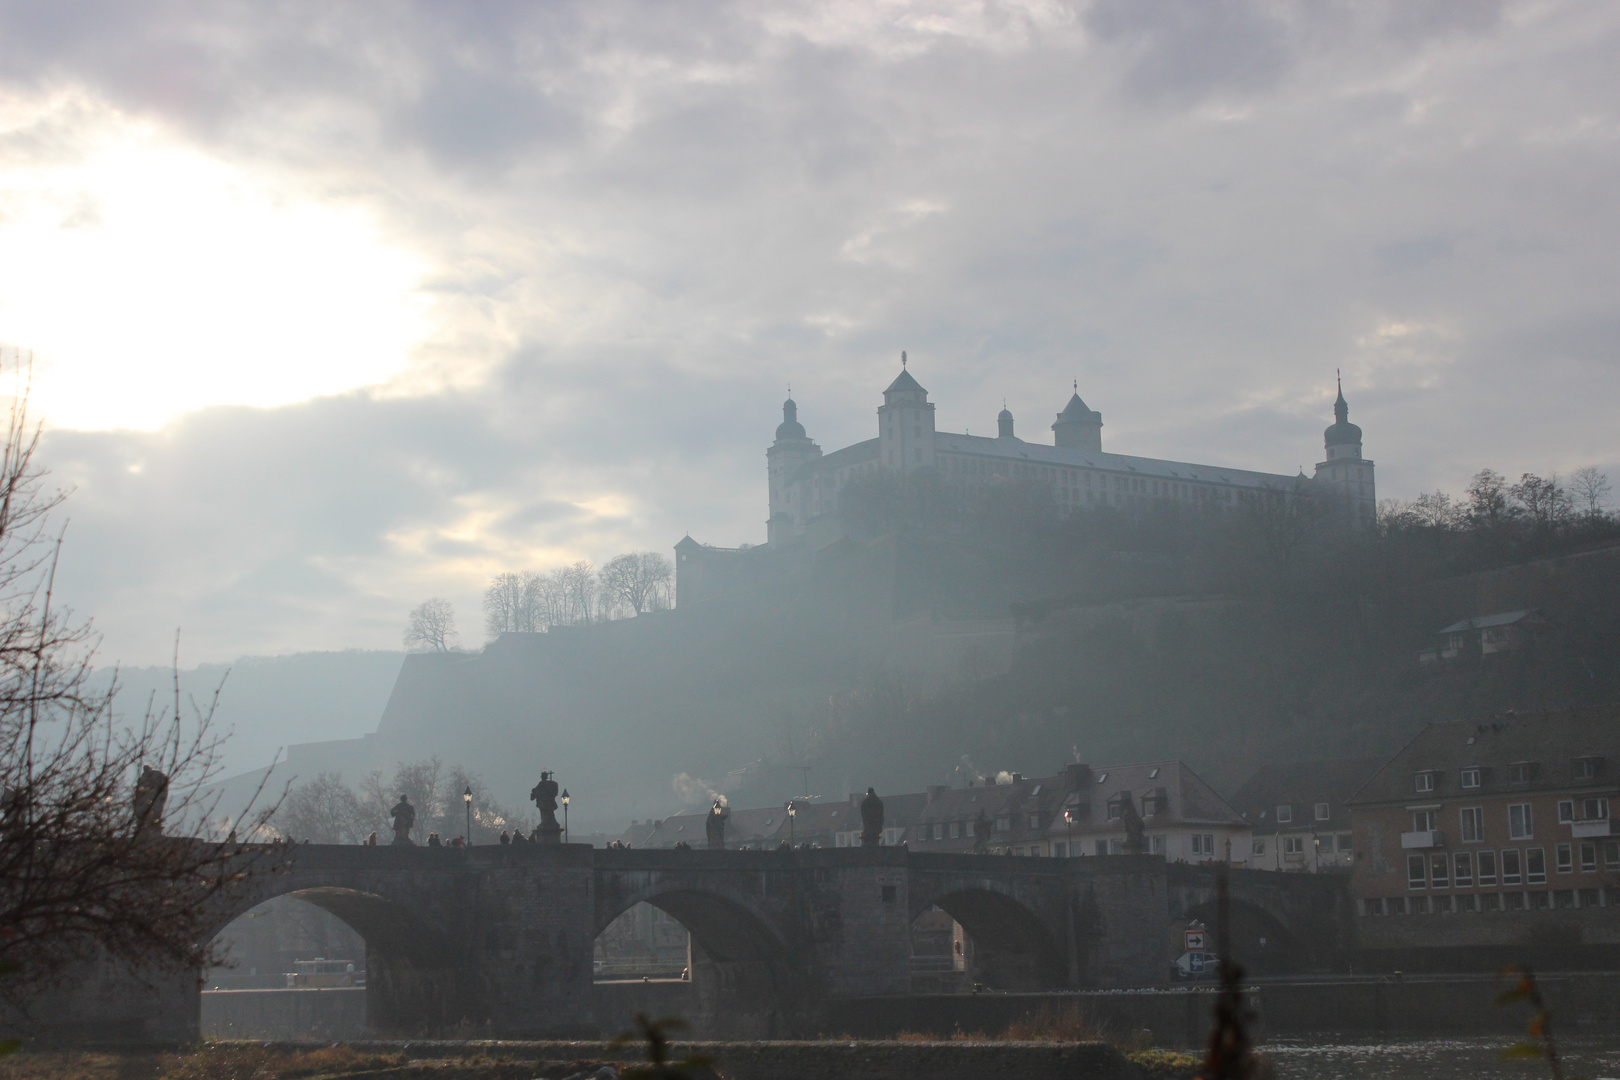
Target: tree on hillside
point(638, 580)
point(90, 802)
point(1488, 499)
point(1544, 503)
point(575, 588)
point(510, 604)
point(1589, 489)
point(323, 811)
point(431, 626)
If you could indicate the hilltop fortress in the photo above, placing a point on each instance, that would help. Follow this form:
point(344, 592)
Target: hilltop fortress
point(805, 484)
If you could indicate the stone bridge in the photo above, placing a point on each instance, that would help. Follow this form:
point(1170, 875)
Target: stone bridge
point(501, 938)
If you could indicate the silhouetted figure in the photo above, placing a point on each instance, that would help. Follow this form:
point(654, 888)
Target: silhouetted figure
point(371, 841)
point(981, 832)
point(151, 796)
point(506, 838)
point(682, 845)
point(520, 837)
point(871, 819)
point(1135, 837)
point(714, 826)
point(544, 795)
point(433, 840)
point(404, 815)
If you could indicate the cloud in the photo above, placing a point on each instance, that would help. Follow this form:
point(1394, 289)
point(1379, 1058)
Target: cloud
point(628, 226)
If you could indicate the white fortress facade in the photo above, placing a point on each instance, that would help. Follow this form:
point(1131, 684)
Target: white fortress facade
point(805, 483)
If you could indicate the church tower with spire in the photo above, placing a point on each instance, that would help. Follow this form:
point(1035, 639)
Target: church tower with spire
point(1345, 470)
point(791, 450)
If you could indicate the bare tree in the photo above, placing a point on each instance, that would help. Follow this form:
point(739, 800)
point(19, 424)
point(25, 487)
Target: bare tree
point(575, 591)
point(1488, 499)
point(87, 798)
point(431, 627)
point(504, 606)
point(1589, 489)
point(1543, 502)
point(323, 811)
point(638, 580)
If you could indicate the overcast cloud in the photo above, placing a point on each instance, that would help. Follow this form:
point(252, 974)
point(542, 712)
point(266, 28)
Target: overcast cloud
point(628, 227)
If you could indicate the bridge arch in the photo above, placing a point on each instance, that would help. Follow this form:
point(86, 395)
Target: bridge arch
point(413, 973)
point(1260, 941)
point(743, 977)
point(1012, 948)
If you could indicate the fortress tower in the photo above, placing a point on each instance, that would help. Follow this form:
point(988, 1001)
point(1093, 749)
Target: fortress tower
point(791, 449)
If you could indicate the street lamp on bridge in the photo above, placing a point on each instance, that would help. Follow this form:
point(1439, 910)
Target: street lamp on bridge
point(565, 815)
point(466, 797)
point(792, 812)
point(1068, 824)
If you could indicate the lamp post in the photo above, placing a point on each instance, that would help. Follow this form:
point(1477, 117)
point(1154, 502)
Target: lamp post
point(791, 813)
point(466, 797)
point(565, 815)
point(1068, 824)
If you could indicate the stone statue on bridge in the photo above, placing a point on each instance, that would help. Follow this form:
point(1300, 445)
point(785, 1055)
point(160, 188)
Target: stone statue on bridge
point(871, 819)
point(1135, 836)
point(151, 797)
point(714, 826)
point(544, 796)
point(981, 833)
point(404, 815)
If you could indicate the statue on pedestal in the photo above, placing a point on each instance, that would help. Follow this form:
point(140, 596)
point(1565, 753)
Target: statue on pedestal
point(151, 796)
point(404, 815)
point(981, 833)
point(1135, 838)
point(871, 819)
point(544, 795)
point(714, 826)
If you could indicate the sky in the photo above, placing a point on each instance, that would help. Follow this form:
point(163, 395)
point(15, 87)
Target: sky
point(331, 308)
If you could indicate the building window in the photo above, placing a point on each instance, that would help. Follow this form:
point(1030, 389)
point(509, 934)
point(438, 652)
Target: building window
point(1564, 854)
point(1586, 768)
point(1293, 845)
point(1203, 844)
point(1611, 854)
point(1424, 781)
point(1470, 778)
point(1060, 849)
point(1438, 877)
point(1463, 863)
point(1594, 810)
point(1513, 901)
point(1414, 871)
point(1259, 847)
point(1472, 819)
point(1487, 868)
point(1566, 811)
point(1344, 841)
point(1423, 820)
point(1588, 857)
point(1535, 866)
point(1491, 902)
point(1004, 824)
point(1321, 811)
point(1285, 814)
point(1158, 847)
point(1521, 826)
point(955, 829)
point(1522, 772)
point(1101, 847)
point(1511, 872)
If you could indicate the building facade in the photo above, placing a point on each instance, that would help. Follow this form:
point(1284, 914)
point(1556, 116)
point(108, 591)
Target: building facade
point(1503, 822)
point(805, 483)
point(1300, 814)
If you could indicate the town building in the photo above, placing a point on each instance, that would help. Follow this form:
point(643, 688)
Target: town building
point(1504, 822)
point(1300, 814)
point(804, 483)
point(1484, 636)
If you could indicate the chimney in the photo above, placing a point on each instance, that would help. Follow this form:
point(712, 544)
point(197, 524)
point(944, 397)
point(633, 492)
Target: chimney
point(1078, 775)
point(1018, 777)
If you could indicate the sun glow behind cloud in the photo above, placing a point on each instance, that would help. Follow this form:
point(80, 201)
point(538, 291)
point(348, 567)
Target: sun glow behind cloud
point(149, 279)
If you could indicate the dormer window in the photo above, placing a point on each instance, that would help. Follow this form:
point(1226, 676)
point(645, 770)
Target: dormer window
point(1423, 781)
point(1586, 768)
point(1322, 811)
point(1469, 778)
point(1285, 814)
point(1522, 772)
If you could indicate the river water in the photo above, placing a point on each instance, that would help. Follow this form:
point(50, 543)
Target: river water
point(1334, 1058)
